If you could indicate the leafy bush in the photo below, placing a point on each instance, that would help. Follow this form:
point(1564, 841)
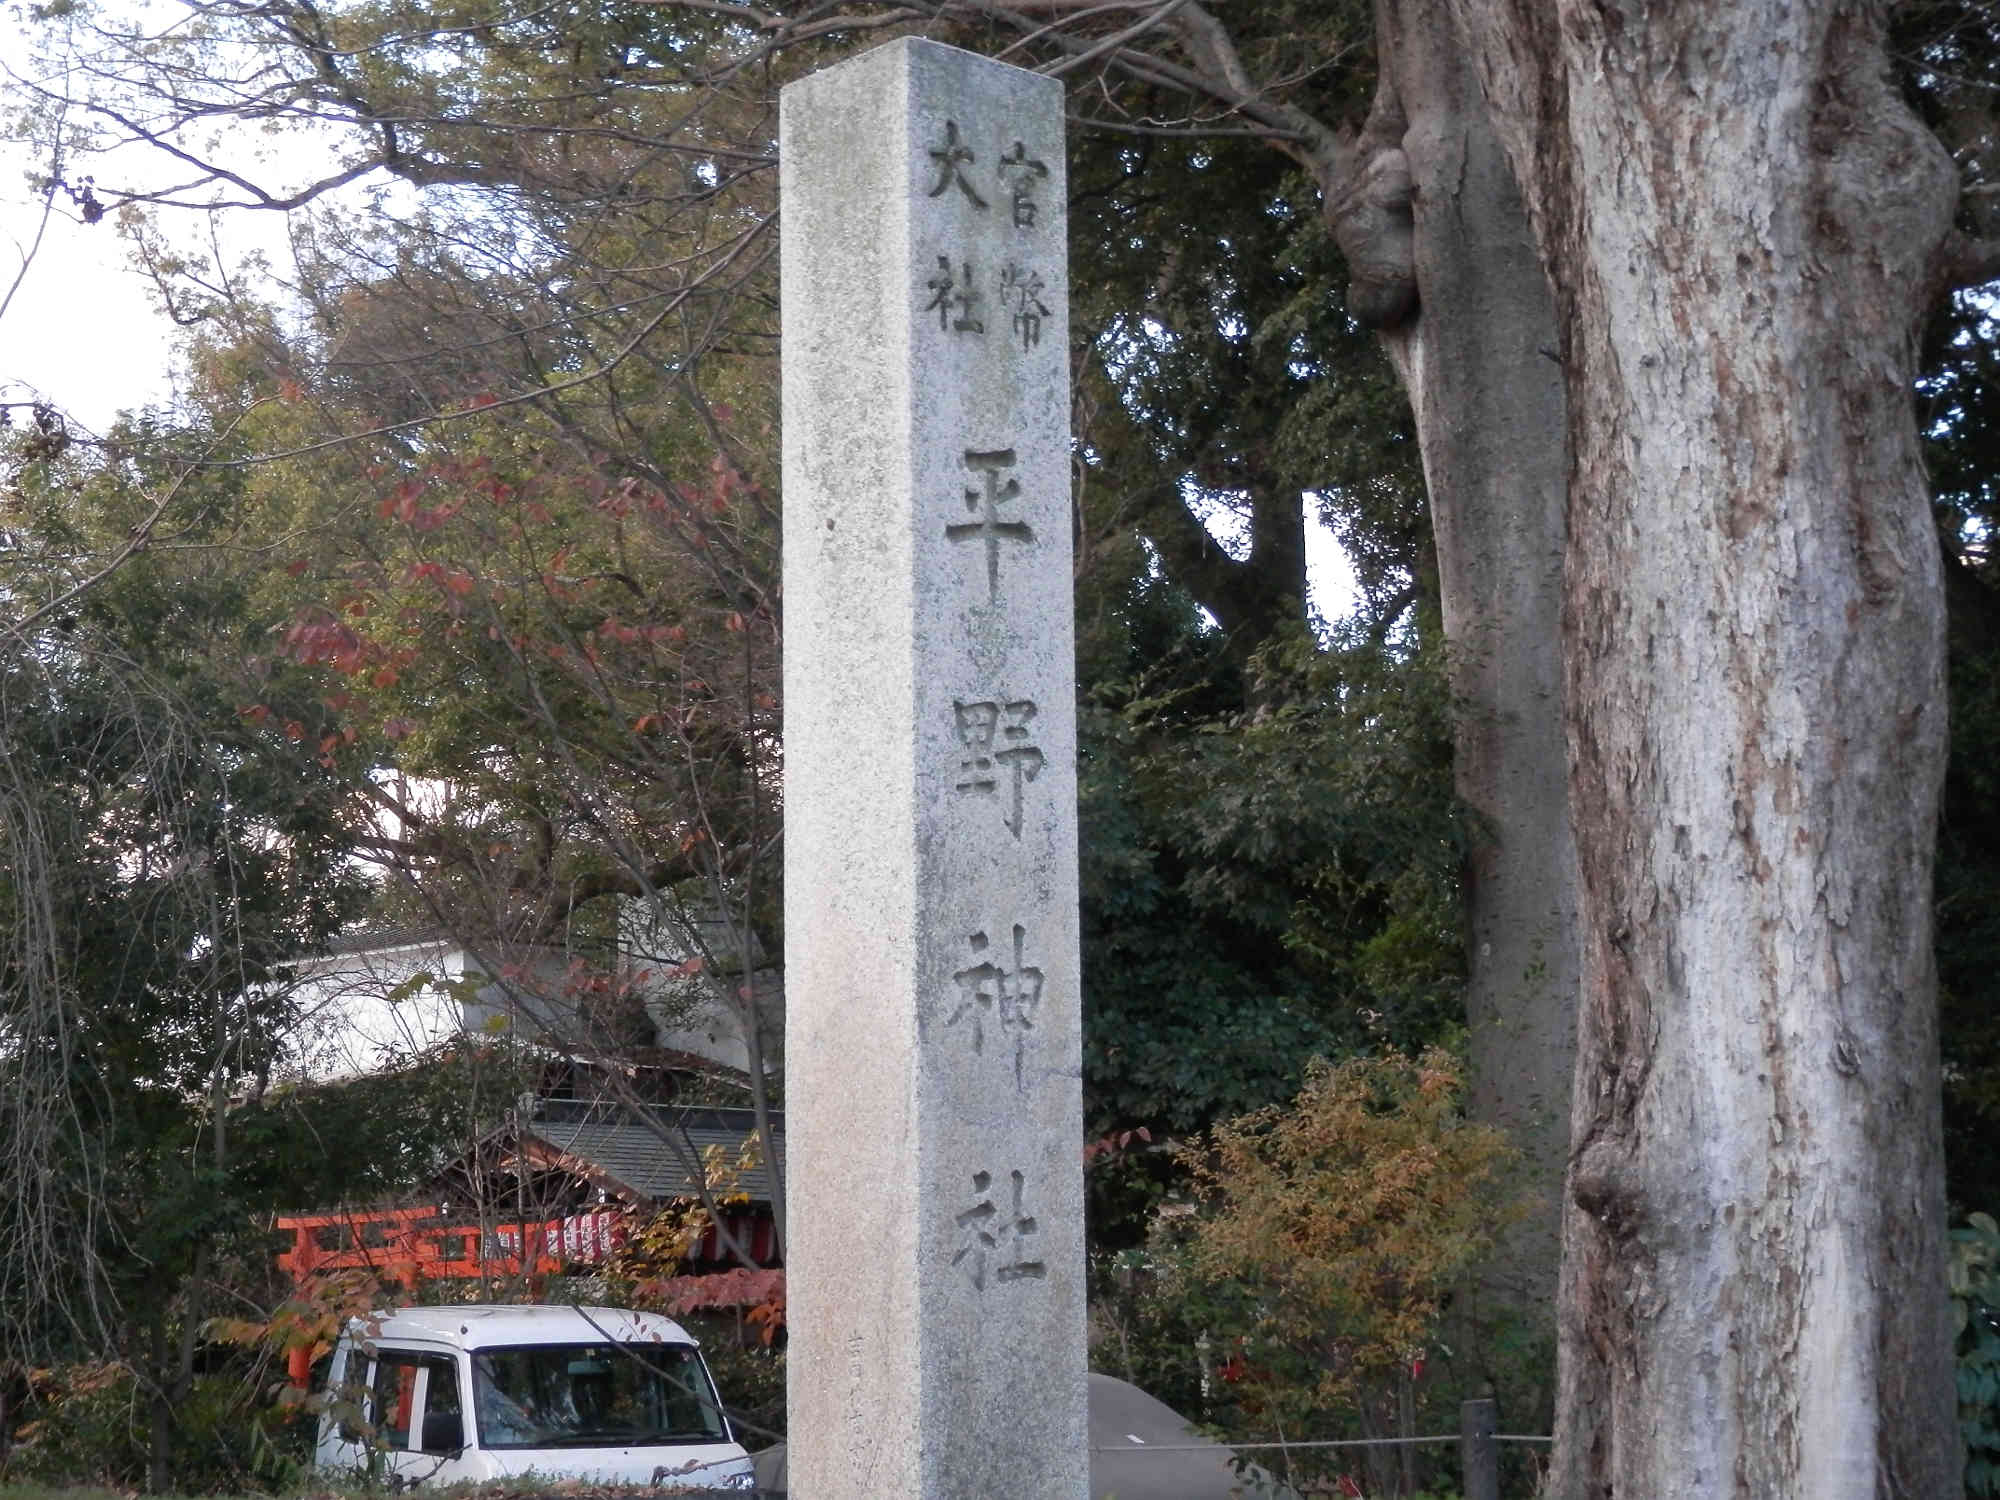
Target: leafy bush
point(1975, 1293)
point(1300, 1294)
point(89, 1424)
point(749, 1373)
point(1353, 1210)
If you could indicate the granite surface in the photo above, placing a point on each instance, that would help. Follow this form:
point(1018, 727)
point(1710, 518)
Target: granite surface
point(935, 1263)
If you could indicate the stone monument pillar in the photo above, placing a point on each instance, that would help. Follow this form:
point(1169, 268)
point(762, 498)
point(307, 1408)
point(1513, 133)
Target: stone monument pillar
point(933, 1111)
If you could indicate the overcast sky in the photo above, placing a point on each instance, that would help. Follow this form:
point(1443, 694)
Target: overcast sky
point(80, 329)
point(84, 329)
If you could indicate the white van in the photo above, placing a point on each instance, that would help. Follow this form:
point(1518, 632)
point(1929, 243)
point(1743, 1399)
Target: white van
point(437, 1395)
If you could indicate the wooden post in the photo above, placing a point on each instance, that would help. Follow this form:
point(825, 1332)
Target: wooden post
point(1478, 1453)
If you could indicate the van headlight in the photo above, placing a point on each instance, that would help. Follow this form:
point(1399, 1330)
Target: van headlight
point(745, 1480)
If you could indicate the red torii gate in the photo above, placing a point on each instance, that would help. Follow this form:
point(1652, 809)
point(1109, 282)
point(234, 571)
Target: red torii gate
point(411, 1245)
point(420, 1244)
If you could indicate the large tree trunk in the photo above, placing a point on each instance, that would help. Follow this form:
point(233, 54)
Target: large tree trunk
point(1739, 219)
point(1476, 352)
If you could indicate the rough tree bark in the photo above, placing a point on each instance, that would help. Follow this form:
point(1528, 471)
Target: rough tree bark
point(1742, 223)
point(1474, 345)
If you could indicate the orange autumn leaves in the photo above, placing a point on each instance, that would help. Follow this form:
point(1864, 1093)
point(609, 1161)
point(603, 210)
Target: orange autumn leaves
point(1354, 1210)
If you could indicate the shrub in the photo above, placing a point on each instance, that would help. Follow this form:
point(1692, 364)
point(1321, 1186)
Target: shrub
point(749, 1373)
point(90, 1424)
point(1975, 1292)
point(1323, 1243)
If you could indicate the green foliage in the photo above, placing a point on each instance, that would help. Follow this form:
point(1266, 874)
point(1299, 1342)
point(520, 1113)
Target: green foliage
point(1270, 843)
point(157, 871)
point(1968, 894)
point(90, 1425)
point(562, 609)
point(749, 1373)
point(1261, 884)
point(1301, 1291)
point(1223, 392)
point(1975, 1291)
point(1158, 1321)
point(165, 858)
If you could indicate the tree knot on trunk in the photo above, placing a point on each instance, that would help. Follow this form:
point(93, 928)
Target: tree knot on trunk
point(1370, 215)
point(1846, 1054)
point(1601, 1184)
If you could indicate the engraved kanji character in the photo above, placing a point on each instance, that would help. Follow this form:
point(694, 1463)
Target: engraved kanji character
point(948, 293)
point(1022, 290)
point(951, 158)
point(978, 724)
point(1021, 172)
point(1009, 997)
point(983, 1234)
point(985, 501)
point(1017, 1229)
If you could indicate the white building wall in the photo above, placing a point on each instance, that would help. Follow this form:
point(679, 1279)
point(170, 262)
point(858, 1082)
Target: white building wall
point(364, 1012)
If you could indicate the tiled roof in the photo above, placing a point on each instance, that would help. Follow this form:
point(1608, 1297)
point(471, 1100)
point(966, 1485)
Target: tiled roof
point(385, 939)
point(657, 1159)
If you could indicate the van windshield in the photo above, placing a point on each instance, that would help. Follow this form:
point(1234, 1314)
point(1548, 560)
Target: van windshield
point(593, 1395)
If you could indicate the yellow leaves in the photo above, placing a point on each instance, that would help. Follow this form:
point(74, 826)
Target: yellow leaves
point(645, 1267)
point(311, 1320)
point(238, 1331)
point(1355, 1209)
